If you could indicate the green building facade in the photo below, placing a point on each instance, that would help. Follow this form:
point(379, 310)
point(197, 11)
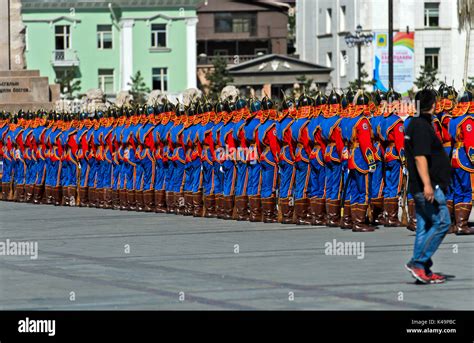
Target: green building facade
point(103, 44)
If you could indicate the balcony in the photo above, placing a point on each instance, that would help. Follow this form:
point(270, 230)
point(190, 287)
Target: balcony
point(64, 58)
point(230, 59)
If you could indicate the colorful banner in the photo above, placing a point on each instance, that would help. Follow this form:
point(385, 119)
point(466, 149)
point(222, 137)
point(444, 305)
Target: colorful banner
point(403, 61)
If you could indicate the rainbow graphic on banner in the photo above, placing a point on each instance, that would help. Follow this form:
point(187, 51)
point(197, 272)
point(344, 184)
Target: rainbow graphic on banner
point(405, 39)
point(404, 61)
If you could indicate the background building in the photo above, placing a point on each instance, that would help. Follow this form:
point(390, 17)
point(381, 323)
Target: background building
point(103, 45)
point(321, 26)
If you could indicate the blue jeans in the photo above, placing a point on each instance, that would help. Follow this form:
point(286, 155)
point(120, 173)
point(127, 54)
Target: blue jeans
point(433, 221)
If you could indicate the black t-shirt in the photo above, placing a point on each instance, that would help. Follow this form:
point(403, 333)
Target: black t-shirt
point(421, 140)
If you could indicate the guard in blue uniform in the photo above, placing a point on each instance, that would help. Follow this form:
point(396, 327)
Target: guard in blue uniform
point(461, 128)
point(239, 117)
point(331, 136)
point(300, 137)
point(227, 156)
point(392, 136)
point(254, 168)
point(286, 164)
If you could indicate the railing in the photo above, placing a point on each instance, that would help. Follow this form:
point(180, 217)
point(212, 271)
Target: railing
point(260, 32)
point(65, 58)
point(230, 59)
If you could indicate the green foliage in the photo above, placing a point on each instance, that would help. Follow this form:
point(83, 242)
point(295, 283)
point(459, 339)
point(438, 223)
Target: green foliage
point(138, 89)
point(364, 80)
point(470, 82)
point(427, 77)
point(67, 82)
point(218, 77)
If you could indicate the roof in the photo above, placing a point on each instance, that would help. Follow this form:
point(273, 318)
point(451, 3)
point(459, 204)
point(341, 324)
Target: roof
point(97, 4)
point(277, 64)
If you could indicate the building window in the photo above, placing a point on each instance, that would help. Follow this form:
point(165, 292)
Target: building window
point(329, 59)
point(431, 14)
point(160, 79)
point(328, 20)
point(239, 22)
point(104, 36)
point(432, 58)
point(158, 35)
point(62, 37)
point(343, 64)
point(342, 19)
point(106, 80)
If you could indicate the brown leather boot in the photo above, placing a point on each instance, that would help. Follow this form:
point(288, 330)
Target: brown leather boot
point(242, 207)
point(131, 201)
point(301, 212)
point(5, 187)
point(160, 201)
point(359, 217)
point(346, 220)
point(188, 204)
point(228, 207)
point(461, 213)
point(333, 209)
point(219, 205)
point(179, 202)
point(198, 204)
point(140, 201)
point(65, 197)
point(411, 215)
point(391, 211)
point(108, 198)
point(91, 195)
point(83, 197)
point(377, 205)
point(210, 206)
point(21, 193)
point(38, 194)
point(29, 193)
point(48, 193)
point(256, 208)
point(318, 211)
point(286, 211)
point(123, 199)
point(115, 199)
point(100, 196)
point(148, 201)
point(269, 210)
point(170, 204)
point(57, 195)
point(72, 196)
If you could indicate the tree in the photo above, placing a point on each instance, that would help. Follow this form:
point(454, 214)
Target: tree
point(427, 77)
point(465, 19)
point(139, 88)
point(364, 79)
point(67, 83)
point(218, 77)
point(306, 86)
point(470, 83)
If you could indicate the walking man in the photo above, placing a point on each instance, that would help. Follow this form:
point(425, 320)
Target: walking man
point(429, 175)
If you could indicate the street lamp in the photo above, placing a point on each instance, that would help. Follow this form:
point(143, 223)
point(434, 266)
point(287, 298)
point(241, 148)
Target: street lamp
point(359, 39)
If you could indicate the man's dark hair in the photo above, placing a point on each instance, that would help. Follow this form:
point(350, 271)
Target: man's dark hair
point(425, 99)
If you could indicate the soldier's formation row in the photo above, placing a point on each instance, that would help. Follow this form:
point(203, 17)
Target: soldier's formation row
point(335, 160)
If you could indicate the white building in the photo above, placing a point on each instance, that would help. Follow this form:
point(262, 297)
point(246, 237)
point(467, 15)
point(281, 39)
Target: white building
point(321, 26)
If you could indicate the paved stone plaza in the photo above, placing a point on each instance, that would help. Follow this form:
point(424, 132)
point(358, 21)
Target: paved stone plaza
point(185, 263)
